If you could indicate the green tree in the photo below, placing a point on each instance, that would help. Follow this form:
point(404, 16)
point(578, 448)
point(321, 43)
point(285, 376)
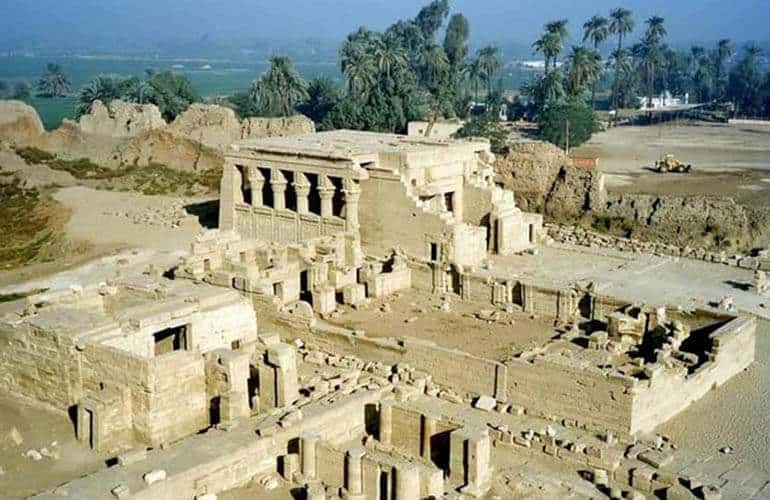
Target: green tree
point(323, 95)
point(489, 62)
point(102, 88)
point(597, 30)
point(22, 91)
point(172, 93)
point(651, 53)
point(431, 17)
point(585, 67)
point(567, 124)
point(456, 40)
point(53, 83)
point(475, 75)
point(621, 24)
point(746, 83)
point(722, 53)
point(549, 44)
point(279, 91)
point(544, 91)
point(558, 28)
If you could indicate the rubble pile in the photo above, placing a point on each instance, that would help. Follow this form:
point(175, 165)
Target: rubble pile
point(576, 235)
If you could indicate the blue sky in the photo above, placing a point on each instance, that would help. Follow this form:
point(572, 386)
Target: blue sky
point(491, 20)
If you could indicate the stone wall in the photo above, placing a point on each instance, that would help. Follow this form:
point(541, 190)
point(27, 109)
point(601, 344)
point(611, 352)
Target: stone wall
point(449, 367)
point(664, 395)
point(391, 219)
point(574, 392)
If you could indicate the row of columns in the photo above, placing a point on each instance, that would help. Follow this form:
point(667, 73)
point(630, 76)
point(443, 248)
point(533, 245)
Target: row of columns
point(301, 185)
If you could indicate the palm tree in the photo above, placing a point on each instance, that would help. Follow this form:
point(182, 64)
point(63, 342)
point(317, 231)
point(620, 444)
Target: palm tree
point(656, 29)
point(722, 53)
point(279, 91)
point(651, 52)
point(550, 45)
point(388, 55)
point(102, 88)
point(621, 23)
point(585, 67)
point(622, 63)
point(475, 75)
point(489, 62)
point(596, 29)
point(357, 62)
point(54, 83)
point(559, 29)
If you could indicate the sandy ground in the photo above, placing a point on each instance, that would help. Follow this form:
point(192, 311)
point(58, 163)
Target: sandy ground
point(40, 428)
point(638, 277)
point(417, 315)
point(122, 229)
point(706, 146)
point(735, 415)
point(728, 160)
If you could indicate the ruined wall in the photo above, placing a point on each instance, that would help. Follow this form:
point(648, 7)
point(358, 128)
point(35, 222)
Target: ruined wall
point(389, 219)
point(448, 367)
point(668, 393)
point(543, 180)
point(707, 221)
point(477, 205)
point(123, 134)
point(574, 393)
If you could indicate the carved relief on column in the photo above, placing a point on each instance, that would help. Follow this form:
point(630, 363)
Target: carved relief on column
point(326, 193)
point(256, 181)
point(302, 188)
point(278, 183)
point(352, 194)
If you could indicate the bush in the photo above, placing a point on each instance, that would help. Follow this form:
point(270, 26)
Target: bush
point(34, 155)
point(486, 127)
point(555, 117)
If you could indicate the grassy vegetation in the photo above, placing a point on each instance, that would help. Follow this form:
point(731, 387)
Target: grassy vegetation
point(30, 225)
point(153, 179)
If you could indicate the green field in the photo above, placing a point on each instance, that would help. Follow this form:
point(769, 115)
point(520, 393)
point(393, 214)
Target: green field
point(224, 77)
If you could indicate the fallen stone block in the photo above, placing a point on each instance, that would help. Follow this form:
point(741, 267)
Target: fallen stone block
point(154, 476)
point(486, 403)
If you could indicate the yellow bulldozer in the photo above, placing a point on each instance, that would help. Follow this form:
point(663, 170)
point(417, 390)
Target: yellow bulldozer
point(668, 163)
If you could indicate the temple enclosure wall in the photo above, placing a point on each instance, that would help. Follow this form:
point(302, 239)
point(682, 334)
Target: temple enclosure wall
point(122, 134)
point(545, 180)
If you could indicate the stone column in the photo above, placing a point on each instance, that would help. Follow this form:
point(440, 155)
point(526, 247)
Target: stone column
point(278, 184)
point(229, 192)
point(354, 473)
point(407, 482)
point(386, 423)
point(352, 194)
point(428, 430)
point(302, 188)
point(326, 192)
point(309, 443)
point(256, 181)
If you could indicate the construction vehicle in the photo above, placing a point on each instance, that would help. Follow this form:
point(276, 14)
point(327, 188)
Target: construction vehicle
point(668, 163)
